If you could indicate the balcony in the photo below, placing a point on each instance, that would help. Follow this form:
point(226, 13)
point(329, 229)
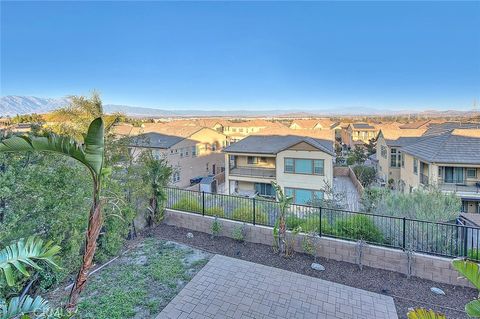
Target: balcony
point(253, 172)
point(460, 188)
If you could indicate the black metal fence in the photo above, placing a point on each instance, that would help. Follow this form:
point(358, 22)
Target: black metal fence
point(442, 239)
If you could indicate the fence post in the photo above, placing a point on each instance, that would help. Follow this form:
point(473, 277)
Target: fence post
point(253, 202)
point(404, 233)
point(320, 222)
point(203, 203)
point(465, 241)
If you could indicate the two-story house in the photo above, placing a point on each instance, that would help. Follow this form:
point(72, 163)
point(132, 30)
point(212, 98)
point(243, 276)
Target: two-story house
point(239, 130)
point(450, 161)
point(389, 151)
point(192, 151)
point(302, 166)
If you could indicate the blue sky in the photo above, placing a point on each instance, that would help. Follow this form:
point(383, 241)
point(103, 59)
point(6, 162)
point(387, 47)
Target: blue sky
point(246, 55)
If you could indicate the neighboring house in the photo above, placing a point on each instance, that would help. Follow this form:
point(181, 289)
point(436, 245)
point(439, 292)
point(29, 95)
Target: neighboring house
point(450, 161)
point(192, 151)
point(358, 134)
point(302, 166)
point(213, 123)
point(389, 151)
point(239, 130)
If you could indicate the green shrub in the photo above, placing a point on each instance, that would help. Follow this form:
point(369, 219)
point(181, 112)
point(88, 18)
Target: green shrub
point(216, 227)
point(358, 227)
point(215, 211)
point(188, 204)
point(473, 254)
point(293, 221)
point(246, 215)
point(238, 233)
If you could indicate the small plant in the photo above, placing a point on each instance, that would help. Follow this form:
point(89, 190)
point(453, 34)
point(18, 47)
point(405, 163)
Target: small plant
point(239, 232)
point(308, 245)
point(470, 270)
point(422, 313)
point(216, 227)
point(215, 211)
point(290, 241)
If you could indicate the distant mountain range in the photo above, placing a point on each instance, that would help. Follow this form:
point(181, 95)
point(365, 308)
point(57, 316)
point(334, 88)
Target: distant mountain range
point(12, 105)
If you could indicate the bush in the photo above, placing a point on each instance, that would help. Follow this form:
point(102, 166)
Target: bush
point(188, 204)
point(246, 215)
point(238, 233)
point(215, 211)
point(473, 254)
point(365, 174)
point(293, 221)
point(358, 227)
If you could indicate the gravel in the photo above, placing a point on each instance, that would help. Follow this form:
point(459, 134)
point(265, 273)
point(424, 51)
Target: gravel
point(407, 293)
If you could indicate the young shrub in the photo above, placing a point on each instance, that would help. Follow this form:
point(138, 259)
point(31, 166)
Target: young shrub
point(473, 254)
point(215, 211)
point(308, 245)
point(216, 227)
point(358, 227)
point(188, 204)
point(246, 215)
point(290, 241)
point(293, 221)
point(239, 232)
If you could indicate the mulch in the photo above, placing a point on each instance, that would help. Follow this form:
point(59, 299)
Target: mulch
point(406, 292)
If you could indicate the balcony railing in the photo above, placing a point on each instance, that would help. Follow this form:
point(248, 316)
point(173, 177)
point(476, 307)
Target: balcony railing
point(253, 171)
point(458, 187)
point(423, 179)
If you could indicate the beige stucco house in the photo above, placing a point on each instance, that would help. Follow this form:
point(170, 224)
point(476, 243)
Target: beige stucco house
point(450, 161)
point(302, 166)
point(389, 151)
point(239, 130)
point(192, 151)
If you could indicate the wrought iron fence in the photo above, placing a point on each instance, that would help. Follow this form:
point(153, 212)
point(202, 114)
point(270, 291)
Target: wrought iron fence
point(435, 238)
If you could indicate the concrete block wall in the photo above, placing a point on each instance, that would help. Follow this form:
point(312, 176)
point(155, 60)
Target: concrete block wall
point(433, 268)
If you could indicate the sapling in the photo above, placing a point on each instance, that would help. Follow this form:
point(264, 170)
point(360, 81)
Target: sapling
point(216, 227)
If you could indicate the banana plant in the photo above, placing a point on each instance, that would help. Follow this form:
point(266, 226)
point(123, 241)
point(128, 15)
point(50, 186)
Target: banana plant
point(90, 154)
point(285, 202)
point(23, 307)
point(470, 270)
point(422, 313)
point(23, 254)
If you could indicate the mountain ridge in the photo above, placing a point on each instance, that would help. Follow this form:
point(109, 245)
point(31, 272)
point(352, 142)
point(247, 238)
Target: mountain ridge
point(13, 104)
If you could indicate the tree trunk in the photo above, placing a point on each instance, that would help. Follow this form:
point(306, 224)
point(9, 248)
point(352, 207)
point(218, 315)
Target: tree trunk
point(94, 226)
point(153, 209)
point(282, 235)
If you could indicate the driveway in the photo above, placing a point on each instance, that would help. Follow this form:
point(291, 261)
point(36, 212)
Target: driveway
point(233, 288)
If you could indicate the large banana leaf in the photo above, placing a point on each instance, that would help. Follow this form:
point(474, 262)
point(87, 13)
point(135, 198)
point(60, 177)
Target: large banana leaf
point(473, 308)
point(469, 270)
point(91, 154)
point(23, 254)
point(422, 313)
point(18, 307)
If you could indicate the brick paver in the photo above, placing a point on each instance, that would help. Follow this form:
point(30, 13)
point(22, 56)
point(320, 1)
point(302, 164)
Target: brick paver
point(233, 288)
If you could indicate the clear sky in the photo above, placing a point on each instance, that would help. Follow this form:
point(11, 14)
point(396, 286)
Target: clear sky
point(246, 55)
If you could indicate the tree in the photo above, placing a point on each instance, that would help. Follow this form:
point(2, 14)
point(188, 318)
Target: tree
point(284, 202)
point(357, 156)
point(365, 174)
point(91, 154)
point(157, 175)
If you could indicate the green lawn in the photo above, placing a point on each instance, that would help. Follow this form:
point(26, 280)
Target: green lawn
point(142, 282)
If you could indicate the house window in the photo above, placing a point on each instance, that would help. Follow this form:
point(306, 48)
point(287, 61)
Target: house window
point(305, 196)
point(318, 167)
point(181, 152)
point(383, 151)
point(289, 165)
point(264, 189)
point(394, 158)
point(263, 160)
point(415, 166)
point(454, 175)
point(252, 160)
point(402, 158)
point(194, 151)
point(214, 146)
point(176, 177)
point(471, 173)
point(304, 166)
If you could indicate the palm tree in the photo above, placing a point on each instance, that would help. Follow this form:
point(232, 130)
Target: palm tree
point(90, 154)
point(157, 175)
point(17, 257)
point(285, 202)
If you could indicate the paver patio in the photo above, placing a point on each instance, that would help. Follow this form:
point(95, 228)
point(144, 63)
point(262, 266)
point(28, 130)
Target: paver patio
point(232, 288)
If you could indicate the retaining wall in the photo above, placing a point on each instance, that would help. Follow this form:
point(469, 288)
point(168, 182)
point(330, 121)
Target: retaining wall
point(434, 268)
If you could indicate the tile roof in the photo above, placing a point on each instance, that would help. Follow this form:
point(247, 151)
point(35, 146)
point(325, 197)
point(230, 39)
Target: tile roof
point(455, 147)
point(256, 123)
point(155, 140)
point(415, 125)
point(401, 137)
point(273, 144)
point(440, 128)
point(361, 126)
point(311, 123)
point(284, 131)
